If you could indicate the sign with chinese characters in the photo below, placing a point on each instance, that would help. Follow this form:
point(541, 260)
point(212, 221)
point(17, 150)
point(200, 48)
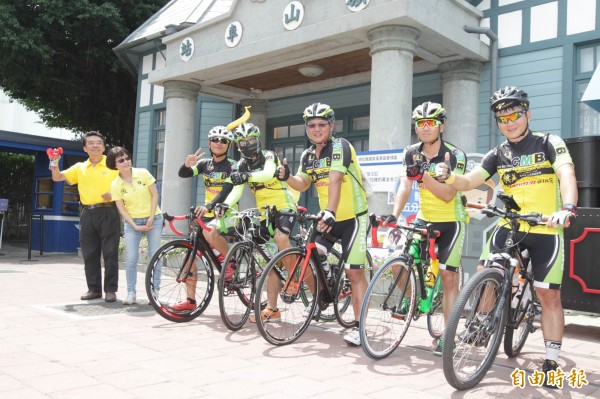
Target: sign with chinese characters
point(233, 34)
point(186, 49)
point(382, 168)
point(293, 14)
point(357, 5)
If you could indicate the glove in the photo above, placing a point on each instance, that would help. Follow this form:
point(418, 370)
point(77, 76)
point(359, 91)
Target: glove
point(415, 171)
point(238, 178)
point(327, 217)
point(562, 217)
point(210, 206)
point(391, 219)
point(286, 172)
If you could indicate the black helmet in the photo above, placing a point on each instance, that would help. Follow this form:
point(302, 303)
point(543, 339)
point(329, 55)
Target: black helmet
point(509, 97)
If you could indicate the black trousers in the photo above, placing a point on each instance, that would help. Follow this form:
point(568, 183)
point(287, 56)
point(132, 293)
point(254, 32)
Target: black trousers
point(99, 236)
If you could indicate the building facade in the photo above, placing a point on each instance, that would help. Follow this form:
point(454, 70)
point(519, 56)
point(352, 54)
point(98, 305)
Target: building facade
point(199, 62)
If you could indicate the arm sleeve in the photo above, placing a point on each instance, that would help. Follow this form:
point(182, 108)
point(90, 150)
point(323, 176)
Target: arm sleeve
point(267, 172)
point(188, 172)
point(235, 194)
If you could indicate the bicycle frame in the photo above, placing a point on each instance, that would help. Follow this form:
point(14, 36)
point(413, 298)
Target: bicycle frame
point(411, 253)
point(198, 242)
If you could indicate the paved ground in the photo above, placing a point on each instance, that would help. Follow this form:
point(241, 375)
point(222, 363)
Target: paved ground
point(52, 345)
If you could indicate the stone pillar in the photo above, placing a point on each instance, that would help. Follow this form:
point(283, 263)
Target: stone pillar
point(460, 88)
point(179, 141)
point(392, 51)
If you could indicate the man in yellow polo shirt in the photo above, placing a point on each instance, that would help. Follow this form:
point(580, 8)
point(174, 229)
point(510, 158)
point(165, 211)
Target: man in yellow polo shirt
point(99, 223)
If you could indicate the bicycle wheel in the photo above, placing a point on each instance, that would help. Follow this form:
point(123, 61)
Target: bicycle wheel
point(294, 317)
point(388, 308)
point(472, 338)
point(435, 317)
point(343, 306)
point(167, 290)
point(520, 322)
point(237, 285)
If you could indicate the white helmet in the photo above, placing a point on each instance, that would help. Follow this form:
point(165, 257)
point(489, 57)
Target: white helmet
point(220, 131)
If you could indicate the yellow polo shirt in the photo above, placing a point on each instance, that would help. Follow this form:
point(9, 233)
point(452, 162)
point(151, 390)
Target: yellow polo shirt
point(136, 196)
point(92, 181)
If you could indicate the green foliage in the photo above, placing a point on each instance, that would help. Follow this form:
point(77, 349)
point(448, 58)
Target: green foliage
point(57, 60)
point(15, 179)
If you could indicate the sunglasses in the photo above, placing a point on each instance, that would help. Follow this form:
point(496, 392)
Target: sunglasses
point(509, 118)
point(250, 142)
point(219, 140)
point(123, 160)
point(427, 122)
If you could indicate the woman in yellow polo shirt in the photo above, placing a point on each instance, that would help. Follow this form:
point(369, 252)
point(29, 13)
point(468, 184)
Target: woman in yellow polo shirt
point(135, 194)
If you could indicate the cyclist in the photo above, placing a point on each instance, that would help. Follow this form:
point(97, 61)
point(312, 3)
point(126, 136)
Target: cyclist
point(257, 169)
point(214, 170)
point(331, 164)
point(440, 203)
point(537, 170)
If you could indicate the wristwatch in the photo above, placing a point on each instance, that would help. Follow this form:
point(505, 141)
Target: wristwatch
point(570, 207)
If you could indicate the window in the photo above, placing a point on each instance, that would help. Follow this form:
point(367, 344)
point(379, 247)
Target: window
point(587, 119)
point(44, 193)
point(159, 146)
point(70, 203)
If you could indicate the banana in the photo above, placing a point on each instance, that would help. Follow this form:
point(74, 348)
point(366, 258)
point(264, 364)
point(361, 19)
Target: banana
point(240, 120)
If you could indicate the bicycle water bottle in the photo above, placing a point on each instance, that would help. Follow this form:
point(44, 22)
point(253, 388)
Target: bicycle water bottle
point(432, 273)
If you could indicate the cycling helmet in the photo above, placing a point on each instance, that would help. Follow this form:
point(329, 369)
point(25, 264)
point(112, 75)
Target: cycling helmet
point(509, 97)
point(319, 110)
point(246, 131)
point(429, 110)
point(220, 131)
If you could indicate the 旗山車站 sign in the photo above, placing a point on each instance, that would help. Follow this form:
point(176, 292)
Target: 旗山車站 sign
point(382, 169)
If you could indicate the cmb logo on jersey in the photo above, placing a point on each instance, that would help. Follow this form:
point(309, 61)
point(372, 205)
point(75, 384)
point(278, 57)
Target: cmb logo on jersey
point(531, 159)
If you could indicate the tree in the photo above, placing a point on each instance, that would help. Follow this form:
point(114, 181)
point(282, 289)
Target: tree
point(57, 60)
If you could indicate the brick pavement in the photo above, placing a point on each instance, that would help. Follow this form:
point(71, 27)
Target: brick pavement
point(52, 345)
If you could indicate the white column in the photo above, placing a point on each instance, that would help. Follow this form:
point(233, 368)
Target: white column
point(392, 51)
point(179, 142)
point(460, 88)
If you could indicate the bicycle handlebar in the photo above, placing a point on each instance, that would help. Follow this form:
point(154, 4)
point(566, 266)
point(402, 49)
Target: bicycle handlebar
point(191, 216)
point(532, 218)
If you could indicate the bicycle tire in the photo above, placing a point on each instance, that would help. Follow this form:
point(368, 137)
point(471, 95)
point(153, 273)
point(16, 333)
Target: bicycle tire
point(382, 326)
point(165, 289)
point(469, 350)
point(295, 317)
point(435, 317)
point(344, 305)
point(520, 323)
point(237, 285)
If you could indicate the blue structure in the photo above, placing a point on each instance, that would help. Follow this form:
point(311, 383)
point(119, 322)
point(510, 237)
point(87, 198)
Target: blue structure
point(56, 204)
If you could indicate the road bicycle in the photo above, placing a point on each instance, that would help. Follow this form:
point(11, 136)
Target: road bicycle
point(490, 305)
point(183, 268)
point(244, 264)
point(398, 292)
point(305, 291)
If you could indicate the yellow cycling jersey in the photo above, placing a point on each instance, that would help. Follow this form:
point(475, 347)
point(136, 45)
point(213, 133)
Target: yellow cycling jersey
point(338, 155)
point(527, 172)
point(432, 208)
